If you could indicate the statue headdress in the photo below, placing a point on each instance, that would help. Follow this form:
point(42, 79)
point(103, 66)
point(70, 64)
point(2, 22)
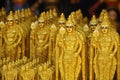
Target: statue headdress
point(62, 18)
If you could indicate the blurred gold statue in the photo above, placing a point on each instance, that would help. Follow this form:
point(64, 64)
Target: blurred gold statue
point(45, 72)
point(12, 38)
point(41, 39)
point(27, 73)
point(93, 25)
point(52, 42)
point(68, 51)
point(103, 49)
point(10, 74)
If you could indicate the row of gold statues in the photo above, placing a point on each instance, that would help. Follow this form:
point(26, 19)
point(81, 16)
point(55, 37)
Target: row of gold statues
point(57, 48)
point(26, 69)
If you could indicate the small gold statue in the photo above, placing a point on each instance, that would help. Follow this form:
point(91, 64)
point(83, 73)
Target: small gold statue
point(3, 11)
point(68, 53)
point(45, 72)
point(12, 38)
point(52, 42)
point(26, 73)
point(41, 39)
point(103, 49)
point(10, 74)
point(93, 25)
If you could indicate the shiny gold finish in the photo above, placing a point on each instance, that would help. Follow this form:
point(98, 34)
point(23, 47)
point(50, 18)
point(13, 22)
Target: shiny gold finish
point(53, 47)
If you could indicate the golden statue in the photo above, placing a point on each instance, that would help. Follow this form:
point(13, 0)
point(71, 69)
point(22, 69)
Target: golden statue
point(92, 25)
point(52, 42)
point(10, 74)
point(45, 72)
point(26, 73)
point(12, 38)
point(3, 72)
point(103, 49)
point(3, 11)
point(32, 39)
point(68, 51)
point(41, 40)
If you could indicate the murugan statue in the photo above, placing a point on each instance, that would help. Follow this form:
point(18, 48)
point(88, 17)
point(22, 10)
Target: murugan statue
point(4, 13)
point(26, 73)
point(10, 74)
point(45, 72)
point(92, 25)
point(103, 49)
point(32, 39)
point(68, 52)
point(52, 42)
point(12, 38)
point(41, 40)
point(4, 70)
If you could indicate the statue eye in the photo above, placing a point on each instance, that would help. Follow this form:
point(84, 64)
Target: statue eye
point(104, 27)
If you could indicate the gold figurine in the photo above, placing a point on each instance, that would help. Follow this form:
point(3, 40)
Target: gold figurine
point(12, 38)
point(68, 53)
point(103, 49)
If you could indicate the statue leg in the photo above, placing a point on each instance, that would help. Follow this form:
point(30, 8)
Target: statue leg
point(72, 70)
point(113, 68)
point(95, 68)
point(78, 68)
point(107, 69)
point(61, 69)
point(66, 70)
point(101, 66)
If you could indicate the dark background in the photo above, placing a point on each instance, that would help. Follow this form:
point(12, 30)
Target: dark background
point(64, 6)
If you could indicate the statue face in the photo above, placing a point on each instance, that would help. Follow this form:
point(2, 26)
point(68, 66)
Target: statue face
point(69, 29)
point(104, 28)
point(92, 27)
point(61, 24)
point(41, 24)
point(10, 22)
point(16, 21)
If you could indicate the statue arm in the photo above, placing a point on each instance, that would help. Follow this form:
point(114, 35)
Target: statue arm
point(115, 48)
point(46, 41)
point(36, 41)
point(18, 41)
point(5, 37)
point(83, 54)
